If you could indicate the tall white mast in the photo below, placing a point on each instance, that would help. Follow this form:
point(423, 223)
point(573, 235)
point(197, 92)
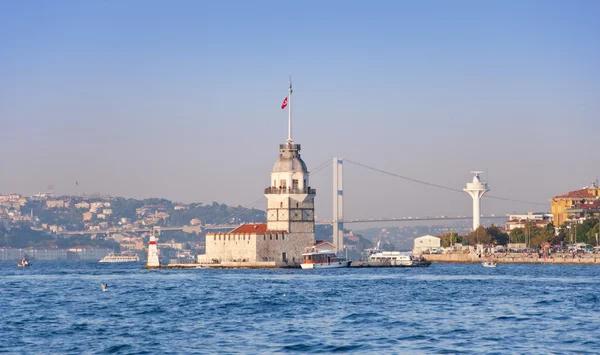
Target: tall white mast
point(290, 111)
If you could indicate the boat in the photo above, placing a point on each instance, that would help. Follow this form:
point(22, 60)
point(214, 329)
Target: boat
point(396, 258)
point(325, 259)
point(114, 258)
point(24, 262)
point(376, 257)
point(489, 263)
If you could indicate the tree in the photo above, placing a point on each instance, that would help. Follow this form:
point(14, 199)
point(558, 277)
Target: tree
point(479, 236)
point(498, 237)
point(448, 239)
point(517, 235)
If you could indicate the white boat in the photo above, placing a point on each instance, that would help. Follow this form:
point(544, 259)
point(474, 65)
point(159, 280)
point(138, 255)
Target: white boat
point(396, 258)
point(489, 263)
point(113, 258)
point(325, 259)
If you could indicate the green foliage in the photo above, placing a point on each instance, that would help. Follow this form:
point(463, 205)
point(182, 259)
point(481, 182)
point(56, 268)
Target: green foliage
point(449, 239)
point(479, 236)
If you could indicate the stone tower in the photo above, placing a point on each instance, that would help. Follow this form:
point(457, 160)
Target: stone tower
point(290, 200)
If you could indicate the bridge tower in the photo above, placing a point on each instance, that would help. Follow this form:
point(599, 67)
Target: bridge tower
point(338, 205)
point(476, 190)
point(153, 261)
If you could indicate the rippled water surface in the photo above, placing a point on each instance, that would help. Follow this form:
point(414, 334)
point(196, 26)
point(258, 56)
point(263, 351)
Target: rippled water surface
point(446, 308)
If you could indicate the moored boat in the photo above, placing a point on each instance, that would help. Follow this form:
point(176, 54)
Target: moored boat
point(325, 259)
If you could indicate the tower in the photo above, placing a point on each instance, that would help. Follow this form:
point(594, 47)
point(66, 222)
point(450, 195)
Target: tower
point(476, 189)
point(153, 261)
point(290, 200)
point(338, 205)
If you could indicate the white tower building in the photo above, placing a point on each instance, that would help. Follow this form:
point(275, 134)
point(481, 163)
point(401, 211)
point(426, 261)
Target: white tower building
point(290, 200)
point(476, 189)
point(153, 261)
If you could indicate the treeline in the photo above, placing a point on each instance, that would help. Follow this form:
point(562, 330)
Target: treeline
point(531, 234)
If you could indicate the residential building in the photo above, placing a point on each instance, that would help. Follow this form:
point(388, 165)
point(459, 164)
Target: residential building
point(560, 204)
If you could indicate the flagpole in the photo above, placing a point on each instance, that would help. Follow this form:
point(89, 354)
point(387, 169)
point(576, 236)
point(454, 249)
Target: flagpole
point(290, 111)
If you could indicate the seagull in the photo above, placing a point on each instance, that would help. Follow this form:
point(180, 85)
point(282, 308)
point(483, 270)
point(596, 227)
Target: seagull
point(104, 286)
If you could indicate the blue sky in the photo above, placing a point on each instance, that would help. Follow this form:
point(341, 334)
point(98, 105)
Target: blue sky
point(181, 99)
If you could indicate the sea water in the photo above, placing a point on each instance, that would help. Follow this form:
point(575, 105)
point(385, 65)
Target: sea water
point(60, 308)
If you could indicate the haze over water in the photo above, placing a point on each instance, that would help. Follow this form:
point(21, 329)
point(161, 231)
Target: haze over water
point(446, 308)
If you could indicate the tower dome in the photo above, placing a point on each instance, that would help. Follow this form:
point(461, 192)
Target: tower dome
point(289, 160)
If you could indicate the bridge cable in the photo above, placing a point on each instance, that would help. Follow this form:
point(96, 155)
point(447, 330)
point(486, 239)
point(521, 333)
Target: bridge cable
point(320, 167)
point(438, 186)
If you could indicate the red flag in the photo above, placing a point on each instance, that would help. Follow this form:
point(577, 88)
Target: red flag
point(284, 104)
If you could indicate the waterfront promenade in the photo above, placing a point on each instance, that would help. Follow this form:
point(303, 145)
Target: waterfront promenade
point(516, 258)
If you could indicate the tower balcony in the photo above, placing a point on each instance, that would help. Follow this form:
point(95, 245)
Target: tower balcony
point(289, 190)
point(289, 146)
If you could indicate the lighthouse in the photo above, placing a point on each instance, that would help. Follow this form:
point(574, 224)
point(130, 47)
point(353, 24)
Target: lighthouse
point(476, 189)
point(153, 261)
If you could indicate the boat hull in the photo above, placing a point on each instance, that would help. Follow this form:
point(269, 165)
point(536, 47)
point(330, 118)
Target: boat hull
point(332, 265)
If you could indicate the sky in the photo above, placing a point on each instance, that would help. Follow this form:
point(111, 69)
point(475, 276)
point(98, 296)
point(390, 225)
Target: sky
point(182, 99)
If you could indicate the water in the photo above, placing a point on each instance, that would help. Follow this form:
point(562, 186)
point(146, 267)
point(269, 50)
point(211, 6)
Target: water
point(446, 308)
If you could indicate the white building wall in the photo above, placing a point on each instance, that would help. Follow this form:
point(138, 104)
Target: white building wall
point(426, 242)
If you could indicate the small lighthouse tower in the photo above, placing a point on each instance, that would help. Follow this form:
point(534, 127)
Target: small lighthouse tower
point(153, 261)
point(476, 189)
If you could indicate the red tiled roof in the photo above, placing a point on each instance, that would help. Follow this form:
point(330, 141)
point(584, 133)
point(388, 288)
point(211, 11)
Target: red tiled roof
point(258, 228)
point(583, 193)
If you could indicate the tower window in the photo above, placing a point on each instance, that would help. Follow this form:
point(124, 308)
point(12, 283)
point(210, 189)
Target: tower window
point(283, 183)
point(264, 237)
point(276, 237)
point(283, 237)
point(295, 183)
point(297, 204)
point(270, 237)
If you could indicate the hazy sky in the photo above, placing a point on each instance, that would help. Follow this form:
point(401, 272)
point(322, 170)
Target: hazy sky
point(182, 99)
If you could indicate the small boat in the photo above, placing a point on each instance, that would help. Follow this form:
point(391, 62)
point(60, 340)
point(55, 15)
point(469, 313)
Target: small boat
point(113, 258)
point(24, 262)
point(325, 259)
point(489, 263)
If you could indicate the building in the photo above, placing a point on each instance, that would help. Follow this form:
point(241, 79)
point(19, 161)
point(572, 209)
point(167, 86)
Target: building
point(541, 219)
point(82, 205)
point(87, 216)
point(427, 243)
point(55, 204)
point(560, 204)
point(290, 227)
point(582, 211)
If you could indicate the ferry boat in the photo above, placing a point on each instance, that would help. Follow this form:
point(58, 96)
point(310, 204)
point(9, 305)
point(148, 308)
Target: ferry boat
point(112, 258)
point(396, 258)
point(24, 263)
point(325, 259)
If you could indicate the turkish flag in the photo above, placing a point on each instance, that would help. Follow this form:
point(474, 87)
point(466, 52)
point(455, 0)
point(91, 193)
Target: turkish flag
point(284, 104)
